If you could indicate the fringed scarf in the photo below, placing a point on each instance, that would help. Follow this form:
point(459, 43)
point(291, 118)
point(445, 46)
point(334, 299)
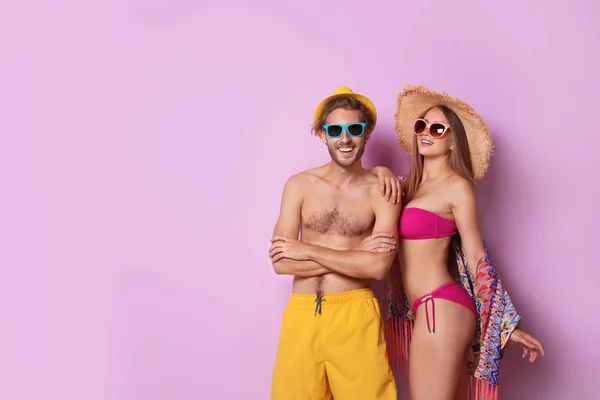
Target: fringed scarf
point(496, 320)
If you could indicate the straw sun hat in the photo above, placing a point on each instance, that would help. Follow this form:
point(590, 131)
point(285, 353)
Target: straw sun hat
point(415, 100)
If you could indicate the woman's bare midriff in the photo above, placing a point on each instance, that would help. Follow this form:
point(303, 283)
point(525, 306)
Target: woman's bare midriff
point(424, 265)
point(332, 282)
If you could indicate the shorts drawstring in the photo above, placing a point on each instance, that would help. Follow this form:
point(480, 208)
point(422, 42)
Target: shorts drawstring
point(319, 300)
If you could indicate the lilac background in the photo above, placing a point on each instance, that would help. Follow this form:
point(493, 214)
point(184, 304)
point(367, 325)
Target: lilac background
point(144, 146)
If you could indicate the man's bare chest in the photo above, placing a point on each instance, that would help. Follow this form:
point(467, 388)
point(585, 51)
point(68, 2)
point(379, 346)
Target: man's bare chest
point(343, 217)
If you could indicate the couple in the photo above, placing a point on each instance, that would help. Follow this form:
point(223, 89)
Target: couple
point(447, 306)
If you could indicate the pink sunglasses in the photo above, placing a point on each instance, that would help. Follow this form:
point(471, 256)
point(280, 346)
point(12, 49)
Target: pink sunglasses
point(436, 129)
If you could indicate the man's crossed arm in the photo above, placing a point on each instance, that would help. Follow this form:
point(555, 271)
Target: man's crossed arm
point(288, 226)
point(371, 260)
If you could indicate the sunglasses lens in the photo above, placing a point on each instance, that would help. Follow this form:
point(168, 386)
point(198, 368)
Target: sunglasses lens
point(437, 130)
point(419, 126)
point(334, 130)
point(355, 129)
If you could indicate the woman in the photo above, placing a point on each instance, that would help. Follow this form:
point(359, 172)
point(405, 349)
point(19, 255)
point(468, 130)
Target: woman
point(453, 310)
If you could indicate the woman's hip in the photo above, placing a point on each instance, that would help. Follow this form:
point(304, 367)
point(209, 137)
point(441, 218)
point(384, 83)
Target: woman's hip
point(448, 305)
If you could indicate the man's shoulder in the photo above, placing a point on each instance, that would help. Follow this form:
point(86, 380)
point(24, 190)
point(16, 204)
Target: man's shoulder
point(301, 181)
point(379, 202)
point(302, 177)
point(370, 181)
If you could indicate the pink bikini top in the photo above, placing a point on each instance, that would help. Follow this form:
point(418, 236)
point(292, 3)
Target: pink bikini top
point(417, 223)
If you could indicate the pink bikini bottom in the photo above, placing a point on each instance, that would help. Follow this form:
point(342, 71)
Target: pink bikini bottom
point(453, 292)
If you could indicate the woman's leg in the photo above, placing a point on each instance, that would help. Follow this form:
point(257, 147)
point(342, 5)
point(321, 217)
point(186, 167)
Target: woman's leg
point(462, 390)
point(437, 358)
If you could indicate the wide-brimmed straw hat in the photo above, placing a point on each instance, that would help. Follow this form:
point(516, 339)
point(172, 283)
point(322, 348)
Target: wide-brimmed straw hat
point(415, 100)
point(345, 91)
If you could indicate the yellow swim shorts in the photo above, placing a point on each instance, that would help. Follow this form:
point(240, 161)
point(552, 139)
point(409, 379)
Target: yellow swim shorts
point(333, 347)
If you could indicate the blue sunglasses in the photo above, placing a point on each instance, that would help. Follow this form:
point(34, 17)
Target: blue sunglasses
point(354, 129)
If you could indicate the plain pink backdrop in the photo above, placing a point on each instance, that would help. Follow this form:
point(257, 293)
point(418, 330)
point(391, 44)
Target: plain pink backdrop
point(145, 145)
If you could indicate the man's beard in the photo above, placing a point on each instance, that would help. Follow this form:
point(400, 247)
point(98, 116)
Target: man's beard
point(346, 162)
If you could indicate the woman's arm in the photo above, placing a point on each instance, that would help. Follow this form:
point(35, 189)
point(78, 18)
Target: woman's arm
point(464, 207)
point(466, 214)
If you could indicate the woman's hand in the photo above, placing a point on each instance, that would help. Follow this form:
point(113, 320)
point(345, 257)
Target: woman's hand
point(529, 344)
point(391, 188)
point(378, 243)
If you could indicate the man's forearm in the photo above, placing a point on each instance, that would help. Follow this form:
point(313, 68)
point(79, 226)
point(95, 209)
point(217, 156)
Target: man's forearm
point(355, 263)
point(303, 269)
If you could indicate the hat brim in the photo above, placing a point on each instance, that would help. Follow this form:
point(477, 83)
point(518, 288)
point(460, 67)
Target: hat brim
point(415, 100)
point(359, 97)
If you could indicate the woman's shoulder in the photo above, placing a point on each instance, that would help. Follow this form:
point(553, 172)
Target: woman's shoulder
point(460, 188)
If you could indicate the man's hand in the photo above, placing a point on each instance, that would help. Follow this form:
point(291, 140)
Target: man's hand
point(285, 247)
point(529, 344)
point(378, 243)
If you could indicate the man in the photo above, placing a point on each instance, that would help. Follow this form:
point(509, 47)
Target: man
point(332, 343)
